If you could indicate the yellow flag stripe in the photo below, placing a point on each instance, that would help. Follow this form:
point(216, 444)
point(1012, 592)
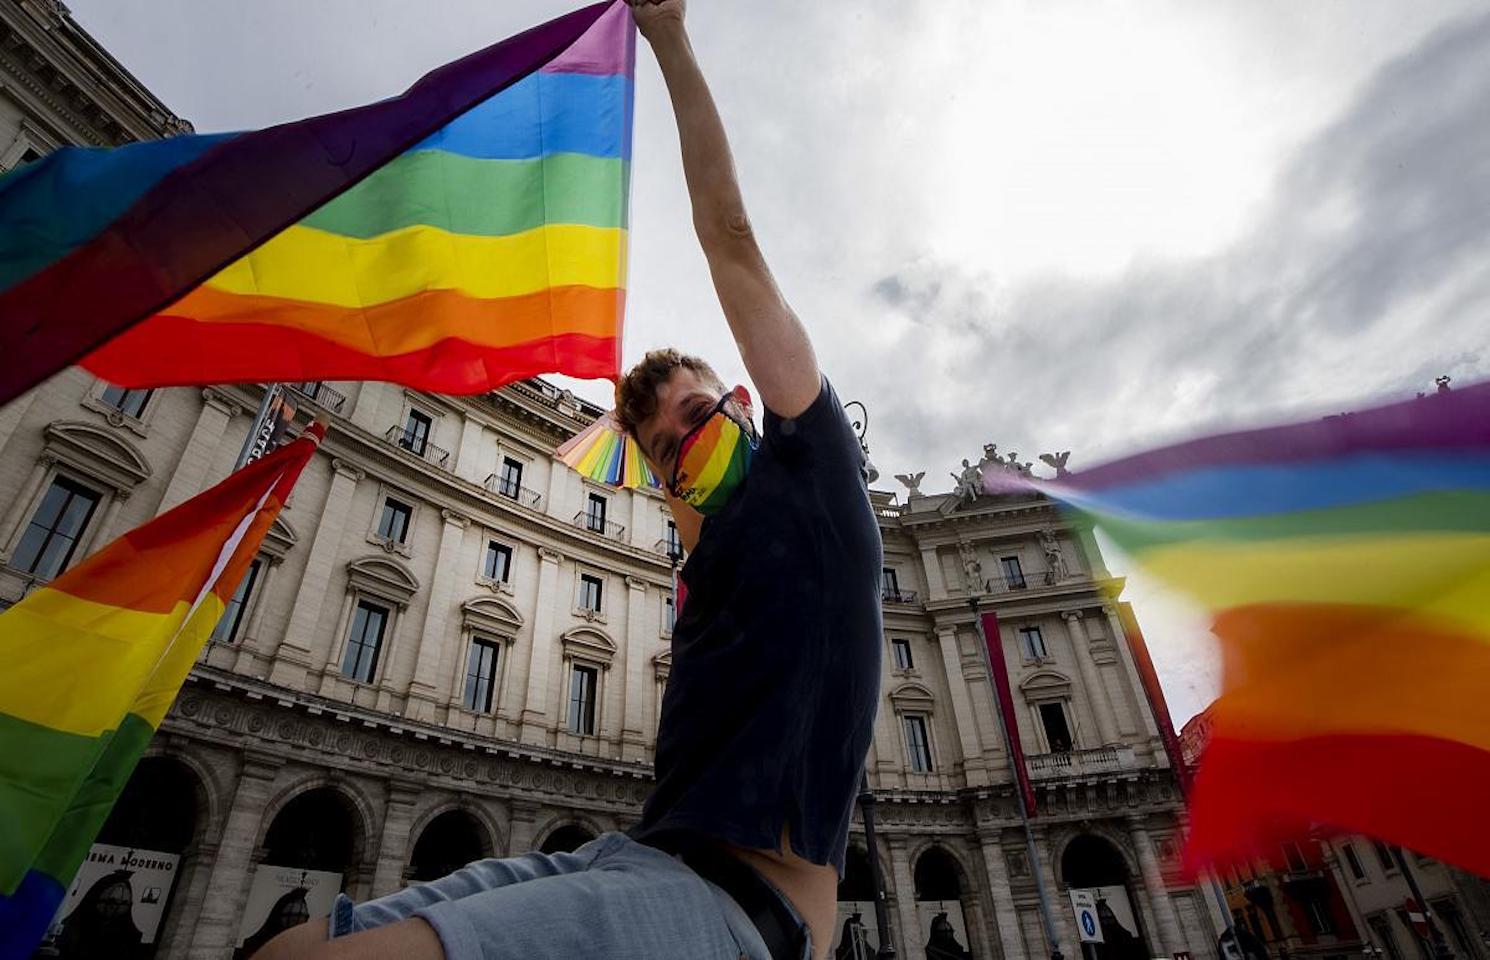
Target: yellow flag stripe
point(314, 266)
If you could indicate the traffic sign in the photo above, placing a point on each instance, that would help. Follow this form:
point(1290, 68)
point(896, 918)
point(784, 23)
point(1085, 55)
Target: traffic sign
point(1088, 928)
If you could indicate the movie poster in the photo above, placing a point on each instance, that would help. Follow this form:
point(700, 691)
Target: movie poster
point(281, 898)
point(943, 931)
point(855, 936)
point(114, 905)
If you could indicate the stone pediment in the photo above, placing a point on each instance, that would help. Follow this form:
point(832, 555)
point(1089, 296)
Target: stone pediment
point(912, 696)
point(384, 578)
point(491, 614)
point(1045, 682)
point(98, 452)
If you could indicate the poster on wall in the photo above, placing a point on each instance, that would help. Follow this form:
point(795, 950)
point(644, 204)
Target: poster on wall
point(281, 898)
point(1120, 934)
point(943, 931)
point(855, 935)
point(115, 903)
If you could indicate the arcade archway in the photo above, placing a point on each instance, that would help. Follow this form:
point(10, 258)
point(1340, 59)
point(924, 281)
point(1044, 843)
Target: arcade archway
point(566, 839)
point(941, 905)
point(1093, 863)
point(450, 841)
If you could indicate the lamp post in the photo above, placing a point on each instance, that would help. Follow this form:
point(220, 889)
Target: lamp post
point(860, 426)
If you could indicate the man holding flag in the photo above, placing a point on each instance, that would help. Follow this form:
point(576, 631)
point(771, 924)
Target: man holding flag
point(769, 711)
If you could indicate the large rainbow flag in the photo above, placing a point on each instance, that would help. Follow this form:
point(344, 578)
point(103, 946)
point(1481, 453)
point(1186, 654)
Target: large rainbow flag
point(94, 659)
point(463, 235)
point(1347, 563)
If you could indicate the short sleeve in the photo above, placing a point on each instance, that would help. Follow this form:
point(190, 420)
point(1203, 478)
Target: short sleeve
point(820, 437)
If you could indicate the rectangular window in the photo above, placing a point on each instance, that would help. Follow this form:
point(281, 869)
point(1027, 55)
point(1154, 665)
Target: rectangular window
point(674, 544)
point(498, 563)
point(51, 538)
point(1353, 861)
point(1013, 574)
point(226, 630)
point(1317, 912)
point(595, 513)
point(481, 675)
point(394, 523)
point(582, 700)
point(1032, 643)
point(416, 432)
point(131, 403)
point(1057, 731)
point(1294, 857)
point(889, 584)
point(1384, 856)
point(901, 650)
point(669, 612)
point(365, 643)
point(590, 588)
point(510, 481)
point(918, 744)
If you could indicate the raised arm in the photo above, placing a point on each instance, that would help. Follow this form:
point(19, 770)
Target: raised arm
point(772, 341)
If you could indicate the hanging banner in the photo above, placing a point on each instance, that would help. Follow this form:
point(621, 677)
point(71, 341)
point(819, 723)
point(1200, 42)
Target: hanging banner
point(1000, 669)
point(281, 898)
point(115, 903)
point(272, 428)
point(855, 935)
point(943, 931)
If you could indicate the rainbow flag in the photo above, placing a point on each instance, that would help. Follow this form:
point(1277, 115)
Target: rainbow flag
point(463, 235)
point(1347, 563)
point(94, 659)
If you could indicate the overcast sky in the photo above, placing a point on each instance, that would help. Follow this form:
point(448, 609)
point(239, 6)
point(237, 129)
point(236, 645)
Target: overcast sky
point(1056, 225)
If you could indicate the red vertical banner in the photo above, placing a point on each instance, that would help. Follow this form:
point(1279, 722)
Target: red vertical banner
point(1000, 669)
point(1155, 694)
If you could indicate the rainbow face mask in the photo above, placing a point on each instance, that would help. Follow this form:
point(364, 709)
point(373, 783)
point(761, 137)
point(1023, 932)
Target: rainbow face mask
point(713, 459)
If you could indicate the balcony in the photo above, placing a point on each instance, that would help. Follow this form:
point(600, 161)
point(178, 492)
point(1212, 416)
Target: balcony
point(595, 524)
point(668, 548)
point(899, 596)
point(321, 395)
point(418, 446)
point(1081, 763)
point(505, 487)
point(1023, 581)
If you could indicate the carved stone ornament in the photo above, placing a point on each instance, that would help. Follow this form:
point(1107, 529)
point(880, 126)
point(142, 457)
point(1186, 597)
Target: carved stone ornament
point(912, 483)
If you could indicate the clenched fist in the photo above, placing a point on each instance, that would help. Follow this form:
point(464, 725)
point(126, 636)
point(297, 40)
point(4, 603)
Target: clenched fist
point(652, 15)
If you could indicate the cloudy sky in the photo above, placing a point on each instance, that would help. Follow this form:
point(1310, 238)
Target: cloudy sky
point(1084, 226)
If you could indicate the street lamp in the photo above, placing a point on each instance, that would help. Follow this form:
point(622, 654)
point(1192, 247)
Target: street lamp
point(866, 796)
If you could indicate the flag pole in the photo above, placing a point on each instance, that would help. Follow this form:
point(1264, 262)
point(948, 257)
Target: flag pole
point(1437, 947)
point(1024, 814)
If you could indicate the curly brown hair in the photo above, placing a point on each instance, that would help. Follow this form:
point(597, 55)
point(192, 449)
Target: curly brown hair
point(636, 394)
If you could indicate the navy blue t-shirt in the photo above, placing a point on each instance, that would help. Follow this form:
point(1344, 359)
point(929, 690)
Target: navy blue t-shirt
point(770, 705)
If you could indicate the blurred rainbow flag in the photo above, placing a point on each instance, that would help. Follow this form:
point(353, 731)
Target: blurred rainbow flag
point(466, 234)
point(94, 660)
point(1347, 564)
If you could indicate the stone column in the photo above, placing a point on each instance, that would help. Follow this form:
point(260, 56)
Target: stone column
point(524, 826)
point(535, 713)
point(102, 532)
point(1060, 913)
point(558, 485)
point(190, 474)
point(962, 707)
point(1091, 678)
point(1134, 686)
point(1153, 883)
point(1005, 914)
point(635, 685)
point(300, 650)
point(434, 658)
point(227, 888)
point(174, 937)
point(912, 938)
point(936, 585)
point(393, 845)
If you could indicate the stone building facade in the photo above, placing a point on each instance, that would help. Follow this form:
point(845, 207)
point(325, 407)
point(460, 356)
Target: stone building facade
point(451, 646)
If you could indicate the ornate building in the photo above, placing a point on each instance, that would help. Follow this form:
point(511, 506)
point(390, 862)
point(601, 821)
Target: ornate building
point(452, 646)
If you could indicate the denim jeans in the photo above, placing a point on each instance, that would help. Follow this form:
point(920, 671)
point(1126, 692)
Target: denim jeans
point(611, 898)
